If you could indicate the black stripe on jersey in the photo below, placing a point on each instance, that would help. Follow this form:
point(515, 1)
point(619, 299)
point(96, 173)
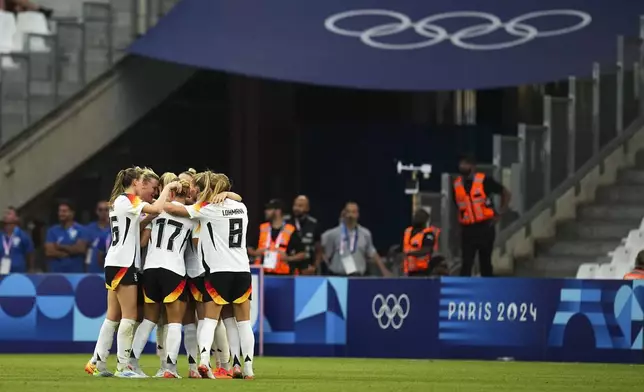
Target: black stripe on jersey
point(212, 237)
point(186, 240)
point(127, 228)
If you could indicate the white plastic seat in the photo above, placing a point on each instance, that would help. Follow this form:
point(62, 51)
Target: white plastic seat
point(642, 225)
point(31, 23)
point(7, 32)
point(606, 271)
point(623, 269)
point(635, 240)
point(587, 271)
point(621, 256)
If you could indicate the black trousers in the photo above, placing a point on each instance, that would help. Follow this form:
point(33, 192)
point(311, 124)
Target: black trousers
point(477, 239)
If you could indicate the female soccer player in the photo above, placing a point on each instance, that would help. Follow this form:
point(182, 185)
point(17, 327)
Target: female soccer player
point(228, 280)
point(122, 261)
point(196, 272)
point(164, 280)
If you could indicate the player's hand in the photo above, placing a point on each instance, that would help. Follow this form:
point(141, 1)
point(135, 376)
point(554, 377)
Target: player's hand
point(219, 198)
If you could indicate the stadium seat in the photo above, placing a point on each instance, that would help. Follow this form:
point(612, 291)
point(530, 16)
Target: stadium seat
point(635, 240)
point(7, 33)
point(31, 23)
point(621, 256)
point(587, 271)
point(606, 271)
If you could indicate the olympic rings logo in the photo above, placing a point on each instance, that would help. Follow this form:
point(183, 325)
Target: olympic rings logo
point(435, 34)
point(390, 311)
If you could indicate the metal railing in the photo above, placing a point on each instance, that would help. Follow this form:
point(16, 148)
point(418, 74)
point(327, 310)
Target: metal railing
point(79, 50)
point(545, 160)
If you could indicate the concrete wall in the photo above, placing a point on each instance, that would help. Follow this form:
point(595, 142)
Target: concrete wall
point(521, 244)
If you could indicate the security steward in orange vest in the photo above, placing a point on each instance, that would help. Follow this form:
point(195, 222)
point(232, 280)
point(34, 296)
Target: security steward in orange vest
point(420, 242)
point(279, 242)
point(476, 213)
point(638, 272)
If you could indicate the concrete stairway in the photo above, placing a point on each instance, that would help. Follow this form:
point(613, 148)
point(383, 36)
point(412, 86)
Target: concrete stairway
point(597, 230)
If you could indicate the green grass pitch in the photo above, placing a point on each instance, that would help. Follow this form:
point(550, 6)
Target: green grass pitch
point(48, 373)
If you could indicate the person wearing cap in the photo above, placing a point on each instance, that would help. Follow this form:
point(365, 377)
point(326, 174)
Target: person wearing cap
point(307, 228)
point(348, 247)
point(279, 242)
point(476, 213)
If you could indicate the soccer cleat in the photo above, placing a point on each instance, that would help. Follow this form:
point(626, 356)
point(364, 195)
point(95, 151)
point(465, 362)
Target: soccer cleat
point(90, 368)
point(206, 372)
point(223, 374)
point(170, 374)
point(194, 374)
point(127, 373)
point(237, 372)
point(159, 373)
point(249, 377)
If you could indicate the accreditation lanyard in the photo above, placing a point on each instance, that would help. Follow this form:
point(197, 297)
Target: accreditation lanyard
point(269, 238)
point(6, 243)
point(352, 241)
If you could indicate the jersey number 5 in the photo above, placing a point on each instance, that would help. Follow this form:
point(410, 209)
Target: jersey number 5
point(116, 234)
point(177, 230)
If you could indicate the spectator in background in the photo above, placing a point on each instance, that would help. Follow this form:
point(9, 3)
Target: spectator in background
point(347, 248)
point(307, 228)
point(476, 213)
point(66, 243)
point(17, 248)
point(103, 244)
point(24, 5)
point(96, 232)
point(638, 272)
point(420, 243)
point(279, 242)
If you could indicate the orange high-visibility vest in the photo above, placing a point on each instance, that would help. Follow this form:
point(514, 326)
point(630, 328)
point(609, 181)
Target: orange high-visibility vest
point(635, 274)
point(266, 241)
point(473, 208)
point(415, 243)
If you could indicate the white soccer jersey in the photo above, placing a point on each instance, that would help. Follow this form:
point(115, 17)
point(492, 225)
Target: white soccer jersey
point(125, 217)
point(222, 237)
point(194, 267)
point(168, 240)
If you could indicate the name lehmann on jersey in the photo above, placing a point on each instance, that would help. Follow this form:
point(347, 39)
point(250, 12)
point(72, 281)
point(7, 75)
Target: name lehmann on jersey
point(236, 211)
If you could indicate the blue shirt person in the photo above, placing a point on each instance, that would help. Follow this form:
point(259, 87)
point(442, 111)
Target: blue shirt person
point(17, 252)
point(102, 246)
point(66, 243)
point(96, 232)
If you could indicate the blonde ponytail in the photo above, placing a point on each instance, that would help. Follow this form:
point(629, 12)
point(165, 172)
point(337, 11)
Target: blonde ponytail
point(124, 180)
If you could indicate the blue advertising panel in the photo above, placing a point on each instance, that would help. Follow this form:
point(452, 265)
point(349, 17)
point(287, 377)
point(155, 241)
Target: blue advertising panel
point(393, 318)
point(401, 45)
point(305, 316)
point(476, 318)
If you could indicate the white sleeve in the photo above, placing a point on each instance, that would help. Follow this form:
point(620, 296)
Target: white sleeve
point(193, 211)
point(136, 206)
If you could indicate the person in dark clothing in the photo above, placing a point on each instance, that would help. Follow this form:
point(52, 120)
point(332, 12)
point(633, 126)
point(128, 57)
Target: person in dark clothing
point(477, 215)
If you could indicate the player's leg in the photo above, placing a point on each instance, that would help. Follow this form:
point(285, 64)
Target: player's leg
point(232, 339)
point(220, 345)
point(241, 307)
point(126, 292)
point(215, 284)
point(174, 287)
point(97, 366)
point(142, 334)
point(161, 334)
point(190, 335)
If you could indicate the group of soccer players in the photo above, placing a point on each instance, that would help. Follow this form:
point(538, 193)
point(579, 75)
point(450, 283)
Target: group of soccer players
point(195, 274)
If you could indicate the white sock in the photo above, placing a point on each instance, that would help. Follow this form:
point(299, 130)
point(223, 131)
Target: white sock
point(104, 342)
point(190, 344)
point(247, 340)
point(124, 338)
point(141, 337)
point(205, 338)
point(221, 343)
point(172, 344)
point(233, 340)
point(162, 333)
